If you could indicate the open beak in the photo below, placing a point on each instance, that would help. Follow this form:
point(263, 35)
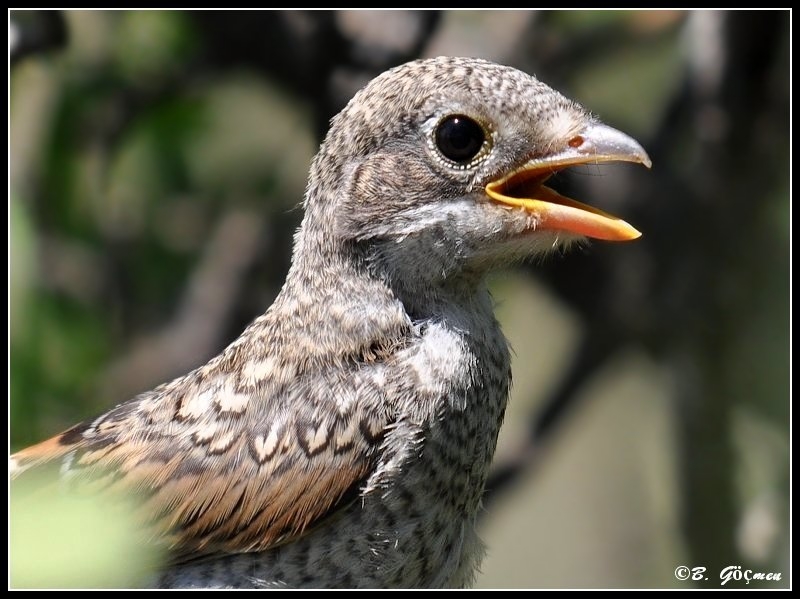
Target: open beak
point(524, 188)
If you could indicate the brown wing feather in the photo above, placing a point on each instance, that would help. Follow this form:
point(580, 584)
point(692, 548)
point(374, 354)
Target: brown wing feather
point(219, 469)
point(40, 454)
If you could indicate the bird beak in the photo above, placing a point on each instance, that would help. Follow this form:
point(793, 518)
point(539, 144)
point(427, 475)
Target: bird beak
point(524, 188)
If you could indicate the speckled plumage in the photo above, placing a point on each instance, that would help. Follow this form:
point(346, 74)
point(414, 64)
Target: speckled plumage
point(345, 437)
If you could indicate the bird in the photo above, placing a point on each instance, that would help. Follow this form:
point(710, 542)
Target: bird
point(344, 438)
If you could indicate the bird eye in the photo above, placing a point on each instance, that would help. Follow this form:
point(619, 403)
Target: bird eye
point(459, 138)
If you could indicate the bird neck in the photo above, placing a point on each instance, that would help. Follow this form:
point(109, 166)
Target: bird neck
point(379, 273)
point(329, 309)
point(337, 300)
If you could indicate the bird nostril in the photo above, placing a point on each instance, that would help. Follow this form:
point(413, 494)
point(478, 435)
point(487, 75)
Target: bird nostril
point(575, 142)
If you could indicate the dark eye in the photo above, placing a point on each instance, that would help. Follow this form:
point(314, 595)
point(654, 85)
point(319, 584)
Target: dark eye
point(459, 138)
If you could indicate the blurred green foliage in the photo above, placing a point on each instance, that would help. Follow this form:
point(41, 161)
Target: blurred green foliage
point(63, 540)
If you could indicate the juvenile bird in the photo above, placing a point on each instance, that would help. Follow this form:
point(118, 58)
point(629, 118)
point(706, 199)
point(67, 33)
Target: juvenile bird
point(344, 439)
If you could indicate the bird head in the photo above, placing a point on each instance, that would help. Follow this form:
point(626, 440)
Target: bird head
point(437, 169)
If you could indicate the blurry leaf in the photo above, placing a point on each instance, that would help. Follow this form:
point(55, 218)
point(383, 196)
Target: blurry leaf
point(68, 541)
